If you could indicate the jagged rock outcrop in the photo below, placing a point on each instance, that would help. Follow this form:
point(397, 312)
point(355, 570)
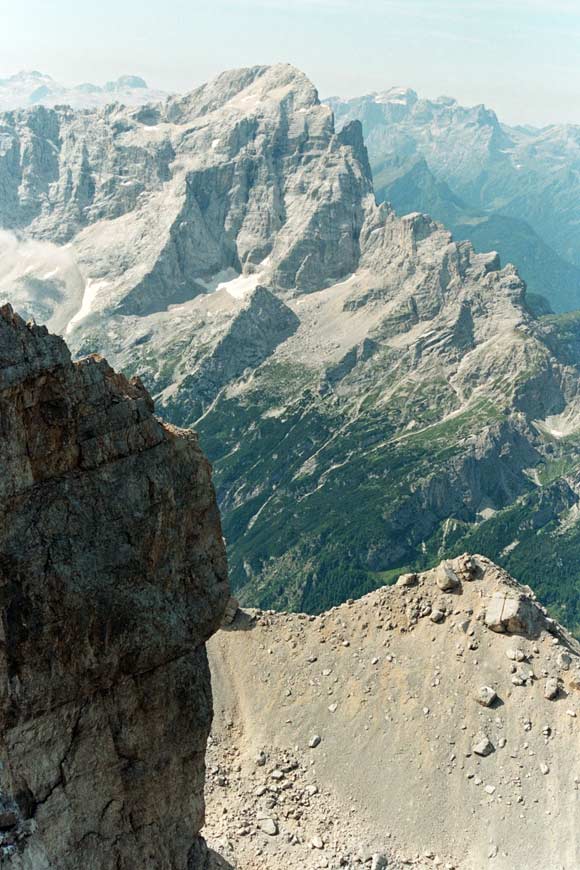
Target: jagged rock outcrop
point(510, 189)
point(113, 575)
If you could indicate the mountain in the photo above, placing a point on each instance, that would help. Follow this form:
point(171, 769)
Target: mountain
point(113, 576)
point(438, 717)
point(511, 188)
point(547, 275)
point(374, 396)
point(452, 691)
point(32, 88)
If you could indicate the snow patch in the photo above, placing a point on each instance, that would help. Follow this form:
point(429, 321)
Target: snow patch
point(241, 286)
point(92, 288)
point(560, 425)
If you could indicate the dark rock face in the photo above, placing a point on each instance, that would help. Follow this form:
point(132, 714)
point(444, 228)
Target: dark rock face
point(112, 577)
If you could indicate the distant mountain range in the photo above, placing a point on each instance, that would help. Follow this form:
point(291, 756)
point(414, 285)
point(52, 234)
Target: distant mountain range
point(513, 189)
point(33, 88)
point(374, 396)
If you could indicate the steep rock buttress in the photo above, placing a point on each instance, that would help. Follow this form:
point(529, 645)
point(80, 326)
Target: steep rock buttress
point(112, 576)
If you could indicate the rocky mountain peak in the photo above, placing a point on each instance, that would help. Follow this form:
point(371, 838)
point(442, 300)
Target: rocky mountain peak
point(235, 258)
point(246, 91)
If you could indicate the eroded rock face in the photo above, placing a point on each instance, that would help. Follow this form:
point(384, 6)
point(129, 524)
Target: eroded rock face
point(113, 575)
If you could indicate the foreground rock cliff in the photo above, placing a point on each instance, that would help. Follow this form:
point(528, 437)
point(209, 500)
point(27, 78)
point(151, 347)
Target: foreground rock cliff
point(432, 724)
point(113, 575)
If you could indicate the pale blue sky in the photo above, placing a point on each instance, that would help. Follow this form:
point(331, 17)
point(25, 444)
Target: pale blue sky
point(520, 57)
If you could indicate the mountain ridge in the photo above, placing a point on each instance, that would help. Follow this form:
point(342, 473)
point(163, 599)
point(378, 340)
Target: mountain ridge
point(33, 88)
point(228, 249)
point(497, 171)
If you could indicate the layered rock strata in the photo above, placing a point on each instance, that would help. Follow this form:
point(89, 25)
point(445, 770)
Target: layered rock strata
point(113, 575)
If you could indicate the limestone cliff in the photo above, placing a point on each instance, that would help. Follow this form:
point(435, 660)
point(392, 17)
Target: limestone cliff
point(113, 575)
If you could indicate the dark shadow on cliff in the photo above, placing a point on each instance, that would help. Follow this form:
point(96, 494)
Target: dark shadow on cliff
point(203, 858)
point(216, 862)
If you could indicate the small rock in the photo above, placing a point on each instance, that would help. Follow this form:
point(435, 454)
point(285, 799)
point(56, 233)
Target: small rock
point(316, 843)
point(515, 655)
point(268, 826)
point(564, 661)
point(544, 768)
point(483, 746)
point(378, 862)
point(486, 696)
point(437, 616)
point(551, 688)
point(314, 741)
point(407, 580)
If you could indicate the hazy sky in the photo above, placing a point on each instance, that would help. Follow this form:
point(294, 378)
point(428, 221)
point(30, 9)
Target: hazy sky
point(520, 57)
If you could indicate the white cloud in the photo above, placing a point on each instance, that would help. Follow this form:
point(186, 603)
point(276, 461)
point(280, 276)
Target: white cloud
point(41, 280)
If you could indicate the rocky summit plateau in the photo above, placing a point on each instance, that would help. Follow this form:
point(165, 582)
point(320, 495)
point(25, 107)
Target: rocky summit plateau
point(431, 724)
point(373, 394)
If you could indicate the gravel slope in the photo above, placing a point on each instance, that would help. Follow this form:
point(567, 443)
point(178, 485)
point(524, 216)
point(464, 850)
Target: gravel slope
point(394, 698)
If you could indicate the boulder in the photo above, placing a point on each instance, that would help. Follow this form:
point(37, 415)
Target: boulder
point(407, 580)
point(230, 611)
point(446, 578)
point(465, 567)
point(514, 613)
